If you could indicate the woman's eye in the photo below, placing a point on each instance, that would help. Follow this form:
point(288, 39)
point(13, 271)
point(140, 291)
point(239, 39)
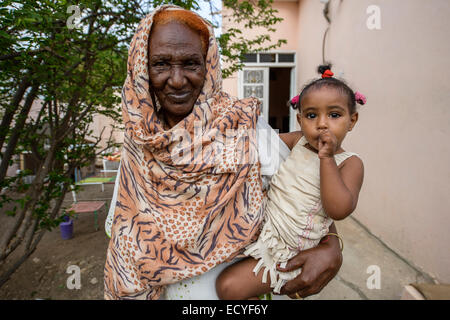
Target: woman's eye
point(311, 115)
point(191, 64)
point(160, 64)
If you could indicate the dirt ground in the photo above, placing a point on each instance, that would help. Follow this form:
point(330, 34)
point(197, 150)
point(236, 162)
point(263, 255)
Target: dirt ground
point(44, 275)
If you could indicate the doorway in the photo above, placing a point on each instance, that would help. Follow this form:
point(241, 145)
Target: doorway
point(279, 95)
point(271, 77)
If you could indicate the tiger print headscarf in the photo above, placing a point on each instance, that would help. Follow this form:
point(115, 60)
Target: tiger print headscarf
point(181, 209)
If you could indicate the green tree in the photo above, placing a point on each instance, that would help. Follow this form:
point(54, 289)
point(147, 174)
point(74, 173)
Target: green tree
point(234, 44)
point(71, 57)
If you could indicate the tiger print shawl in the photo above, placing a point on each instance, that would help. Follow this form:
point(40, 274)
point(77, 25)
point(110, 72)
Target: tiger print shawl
point(186, 201)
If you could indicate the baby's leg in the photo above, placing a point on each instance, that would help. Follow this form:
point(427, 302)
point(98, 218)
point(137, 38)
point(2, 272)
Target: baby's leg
point(238, 282)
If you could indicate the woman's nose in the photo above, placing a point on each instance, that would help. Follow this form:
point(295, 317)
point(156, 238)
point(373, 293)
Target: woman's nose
point(177, 78)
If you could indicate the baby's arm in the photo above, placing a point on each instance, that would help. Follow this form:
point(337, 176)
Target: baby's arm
point(339, 187)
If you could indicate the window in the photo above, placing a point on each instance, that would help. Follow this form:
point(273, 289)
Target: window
point(250, 57)
point(267, 57)
point(285, 57)
point(254, 79)
point(255, 84)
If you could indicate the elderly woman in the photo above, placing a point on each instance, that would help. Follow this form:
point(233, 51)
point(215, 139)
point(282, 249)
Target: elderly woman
point(180, 213)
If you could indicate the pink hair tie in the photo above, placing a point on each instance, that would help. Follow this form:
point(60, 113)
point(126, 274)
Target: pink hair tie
point(360, 98)
point(294, 100)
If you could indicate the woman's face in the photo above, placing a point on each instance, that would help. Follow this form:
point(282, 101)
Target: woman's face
point(176, 69)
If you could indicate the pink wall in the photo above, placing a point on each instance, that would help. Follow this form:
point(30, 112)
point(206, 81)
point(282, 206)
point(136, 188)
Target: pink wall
point(402, 134)
point(403, 130)
point(99, 121)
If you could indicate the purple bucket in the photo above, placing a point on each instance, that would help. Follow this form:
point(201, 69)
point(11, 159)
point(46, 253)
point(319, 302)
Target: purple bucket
point(66, 229)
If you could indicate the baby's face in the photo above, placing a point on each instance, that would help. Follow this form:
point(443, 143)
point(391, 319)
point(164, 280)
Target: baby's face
point(323, 109)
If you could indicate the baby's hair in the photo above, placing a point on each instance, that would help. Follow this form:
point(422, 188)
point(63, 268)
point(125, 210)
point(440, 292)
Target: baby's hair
point(327, 81)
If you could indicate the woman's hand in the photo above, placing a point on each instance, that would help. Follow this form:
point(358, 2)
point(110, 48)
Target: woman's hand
point(319, 265)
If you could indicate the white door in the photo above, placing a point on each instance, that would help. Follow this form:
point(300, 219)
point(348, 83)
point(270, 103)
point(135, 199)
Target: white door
point(254, 82)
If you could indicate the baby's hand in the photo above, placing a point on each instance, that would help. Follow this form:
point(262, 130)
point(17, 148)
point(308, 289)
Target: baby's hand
point(327, 144)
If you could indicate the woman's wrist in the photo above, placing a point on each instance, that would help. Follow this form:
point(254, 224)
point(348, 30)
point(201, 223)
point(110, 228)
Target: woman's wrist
point(332, 239)
point(332, 234)
point(332, 245)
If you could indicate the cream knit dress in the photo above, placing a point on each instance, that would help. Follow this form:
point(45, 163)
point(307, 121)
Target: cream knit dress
point(294, 217)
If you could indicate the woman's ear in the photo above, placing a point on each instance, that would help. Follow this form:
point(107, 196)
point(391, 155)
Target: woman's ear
point(353, 120)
